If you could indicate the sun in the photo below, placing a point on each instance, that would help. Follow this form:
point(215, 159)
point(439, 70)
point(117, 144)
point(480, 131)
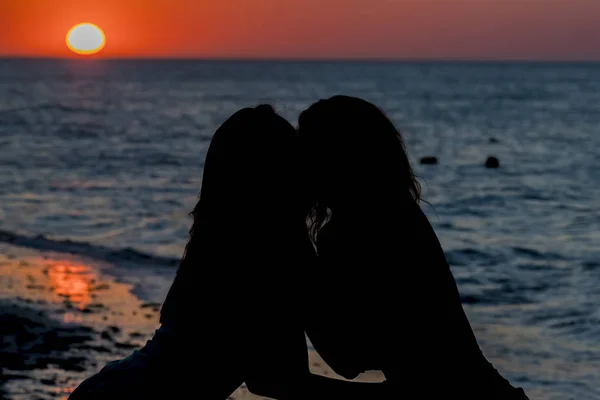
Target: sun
point(86, 39)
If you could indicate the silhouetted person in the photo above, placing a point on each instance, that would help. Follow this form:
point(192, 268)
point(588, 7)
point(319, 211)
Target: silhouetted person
point(235, 312)
point(396, 306)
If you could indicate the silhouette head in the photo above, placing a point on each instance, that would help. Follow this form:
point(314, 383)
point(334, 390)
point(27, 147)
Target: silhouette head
point(248, 187)
point(354, 157)
point(249, 174)
point(247, 213)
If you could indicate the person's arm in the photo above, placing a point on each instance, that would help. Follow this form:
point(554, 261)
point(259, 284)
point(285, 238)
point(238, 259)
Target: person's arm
point(277, 354)
point(317, 387)
point(462, 343)
point(464, 338)
point(277, 359)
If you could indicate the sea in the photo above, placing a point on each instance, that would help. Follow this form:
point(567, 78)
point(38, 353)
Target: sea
point(103, 159)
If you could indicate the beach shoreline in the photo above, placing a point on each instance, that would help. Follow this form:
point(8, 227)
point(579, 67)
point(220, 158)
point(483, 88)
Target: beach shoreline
point(62, 319)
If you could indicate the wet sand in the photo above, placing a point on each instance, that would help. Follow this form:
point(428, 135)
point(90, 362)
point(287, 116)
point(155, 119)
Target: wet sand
point(62, 319)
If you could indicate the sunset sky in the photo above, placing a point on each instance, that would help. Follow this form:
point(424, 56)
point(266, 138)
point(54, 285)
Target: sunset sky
point(389, 29)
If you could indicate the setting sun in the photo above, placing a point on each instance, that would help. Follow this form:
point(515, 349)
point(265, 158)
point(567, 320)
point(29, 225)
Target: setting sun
point(86, 39)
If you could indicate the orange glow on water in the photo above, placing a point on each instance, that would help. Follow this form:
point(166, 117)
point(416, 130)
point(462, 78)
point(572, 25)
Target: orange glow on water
point(71, 281)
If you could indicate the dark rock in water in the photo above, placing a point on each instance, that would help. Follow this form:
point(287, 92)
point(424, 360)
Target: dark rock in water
point(492, 162)
point(114, 329)
point(494, 140)
point(106, 335)
point(430, 160)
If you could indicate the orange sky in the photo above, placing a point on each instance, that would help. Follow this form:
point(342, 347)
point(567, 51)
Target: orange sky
point(397, 29)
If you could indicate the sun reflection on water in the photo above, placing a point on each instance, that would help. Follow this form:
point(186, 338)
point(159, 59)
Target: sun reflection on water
point(65, 391)
point(72, 281)
point(76, 291)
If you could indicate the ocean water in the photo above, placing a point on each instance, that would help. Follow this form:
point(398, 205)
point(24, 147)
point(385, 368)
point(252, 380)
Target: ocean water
point(104, 159)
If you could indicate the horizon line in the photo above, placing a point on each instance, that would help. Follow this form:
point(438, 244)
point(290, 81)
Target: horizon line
point(305, 59)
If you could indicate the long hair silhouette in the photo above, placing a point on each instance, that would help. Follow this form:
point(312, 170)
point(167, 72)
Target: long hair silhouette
point(247, 192)
point(402, 312)
point(244, 222)
point(338, 129)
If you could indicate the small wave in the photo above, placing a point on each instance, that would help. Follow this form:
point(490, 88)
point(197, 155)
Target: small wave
point(534, 195)
point(495, 297)
point(68, 108)
point(468, 256)
point(115, 256)
point(49, 106)
point(535, 254)
point(77, 131)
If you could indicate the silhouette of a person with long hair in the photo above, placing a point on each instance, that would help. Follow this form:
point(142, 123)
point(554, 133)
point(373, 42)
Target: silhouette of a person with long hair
point(235, 313)
point(398, 306)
